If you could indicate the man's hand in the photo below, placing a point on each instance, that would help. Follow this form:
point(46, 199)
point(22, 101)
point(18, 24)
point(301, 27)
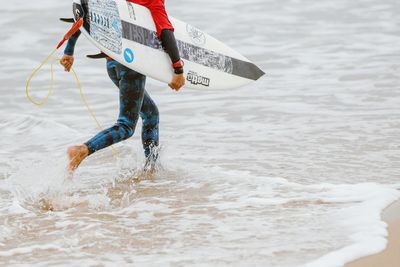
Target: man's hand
point(178, 80)
point(67, 62)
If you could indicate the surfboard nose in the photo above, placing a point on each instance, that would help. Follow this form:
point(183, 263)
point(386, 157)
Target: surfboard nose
point(247, 70)
point(258, 73)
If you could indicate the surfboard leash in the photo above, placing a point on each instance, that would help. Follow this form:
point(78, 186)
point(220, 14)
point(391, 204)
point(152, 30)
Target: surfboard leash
point(75, 27)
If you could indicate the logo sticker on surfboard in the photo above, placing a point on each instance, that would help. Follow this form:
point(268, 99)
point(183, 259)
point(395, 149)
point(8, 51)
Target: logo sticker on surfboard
point(196, 79)
point(105, 24)
point(198, 37)
point(129, 56)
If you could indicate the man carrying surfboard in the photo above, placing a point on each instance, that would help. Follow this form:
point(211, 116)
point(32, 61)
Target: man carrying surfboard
point(134, 99)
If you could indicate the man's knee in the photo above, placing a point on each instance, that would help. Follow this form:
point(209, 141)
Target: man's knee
point(126, 130)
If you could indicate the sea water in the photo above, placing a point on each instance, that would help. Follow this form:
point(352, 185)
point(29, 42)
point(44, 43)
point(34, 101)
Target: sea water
point(292, 170)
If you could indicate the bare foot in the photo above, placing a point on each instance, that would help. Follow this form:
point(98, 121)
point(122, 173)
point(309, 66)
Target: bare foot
point(76, 154)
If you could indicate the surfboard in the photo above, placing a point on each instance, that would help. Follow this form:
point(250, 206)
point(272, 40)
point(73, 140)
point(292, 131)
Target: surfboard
point(126, 32)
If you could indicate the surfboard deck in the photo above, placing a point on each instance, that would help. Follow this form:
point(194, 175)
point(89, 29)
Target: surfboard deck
point(126, 32)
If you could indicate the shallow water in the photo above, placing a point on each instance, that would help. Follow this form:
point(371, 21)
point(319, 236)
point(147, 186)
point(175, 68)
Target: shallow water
point(292, 170)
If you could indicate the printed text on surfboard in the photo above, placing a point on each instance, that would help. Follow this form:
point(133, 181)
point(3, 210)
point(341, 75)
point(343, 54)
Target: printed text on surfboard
point(195, 79)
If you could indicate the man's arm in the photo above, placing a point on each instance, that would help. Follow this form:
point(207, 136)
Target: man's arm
point(68, 59)
point(170, 46)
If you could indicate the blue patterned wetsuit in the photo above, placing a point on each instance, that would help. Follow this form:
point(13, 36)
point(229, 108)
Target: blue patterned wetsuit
point(134, 102)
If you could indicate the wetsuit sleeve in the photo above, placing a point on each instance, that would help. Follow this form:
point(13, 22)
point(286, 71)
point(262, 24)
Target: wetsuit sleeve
point(70, 48)
point(169, 43)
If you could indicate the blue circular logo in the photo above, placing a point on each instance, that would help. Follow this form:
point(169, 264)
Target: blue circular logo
point(129, 56)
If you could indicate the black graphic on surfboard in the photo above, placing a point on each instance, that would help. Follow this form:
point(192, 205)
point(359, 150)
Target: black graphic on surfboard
point(194, 53)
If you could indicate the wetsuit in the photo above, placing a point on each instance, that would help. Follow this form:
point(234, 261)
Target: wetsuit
point(134, 100)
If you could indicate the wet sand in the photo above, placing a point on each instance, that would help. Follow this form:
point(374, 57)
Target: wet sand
point(390, 257)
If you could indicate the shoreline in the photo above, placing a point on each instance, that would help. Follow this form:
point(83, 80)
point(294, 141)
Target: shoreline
point(390, 257)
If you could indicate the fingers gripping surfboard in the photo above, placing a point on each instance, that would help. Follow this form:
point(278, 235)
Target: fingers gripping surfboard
point(126, 32)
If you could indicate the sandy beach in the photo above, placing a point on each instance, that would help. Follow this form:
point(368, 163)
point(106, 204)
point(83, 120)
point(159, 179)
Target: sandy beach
point(390, 257)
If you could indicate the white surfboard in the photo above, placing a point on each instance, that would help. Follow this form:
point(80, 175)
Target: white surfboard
point(126, 32)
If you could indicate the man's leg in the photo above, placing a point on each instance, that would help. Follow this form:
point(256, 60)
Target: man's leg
point(150, 130)
point(131, 87)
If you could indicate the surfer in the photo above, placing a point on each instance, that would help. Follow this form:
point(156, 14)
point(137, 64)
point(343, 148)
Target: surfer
point(134, 99)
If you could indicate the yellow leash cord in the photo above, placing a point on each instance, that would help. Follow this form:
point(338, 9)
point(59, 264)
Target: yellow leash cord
point(44, 101)
point(40, 103)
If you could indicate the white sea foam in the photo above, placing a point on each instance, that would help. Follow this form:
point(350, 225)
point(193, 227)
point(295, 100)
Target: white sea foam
point(362, 222)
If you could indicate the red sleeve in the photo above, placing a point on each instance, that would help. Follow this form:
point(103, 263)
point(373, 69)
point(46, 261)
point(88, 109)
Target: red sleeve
point(158, 12)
